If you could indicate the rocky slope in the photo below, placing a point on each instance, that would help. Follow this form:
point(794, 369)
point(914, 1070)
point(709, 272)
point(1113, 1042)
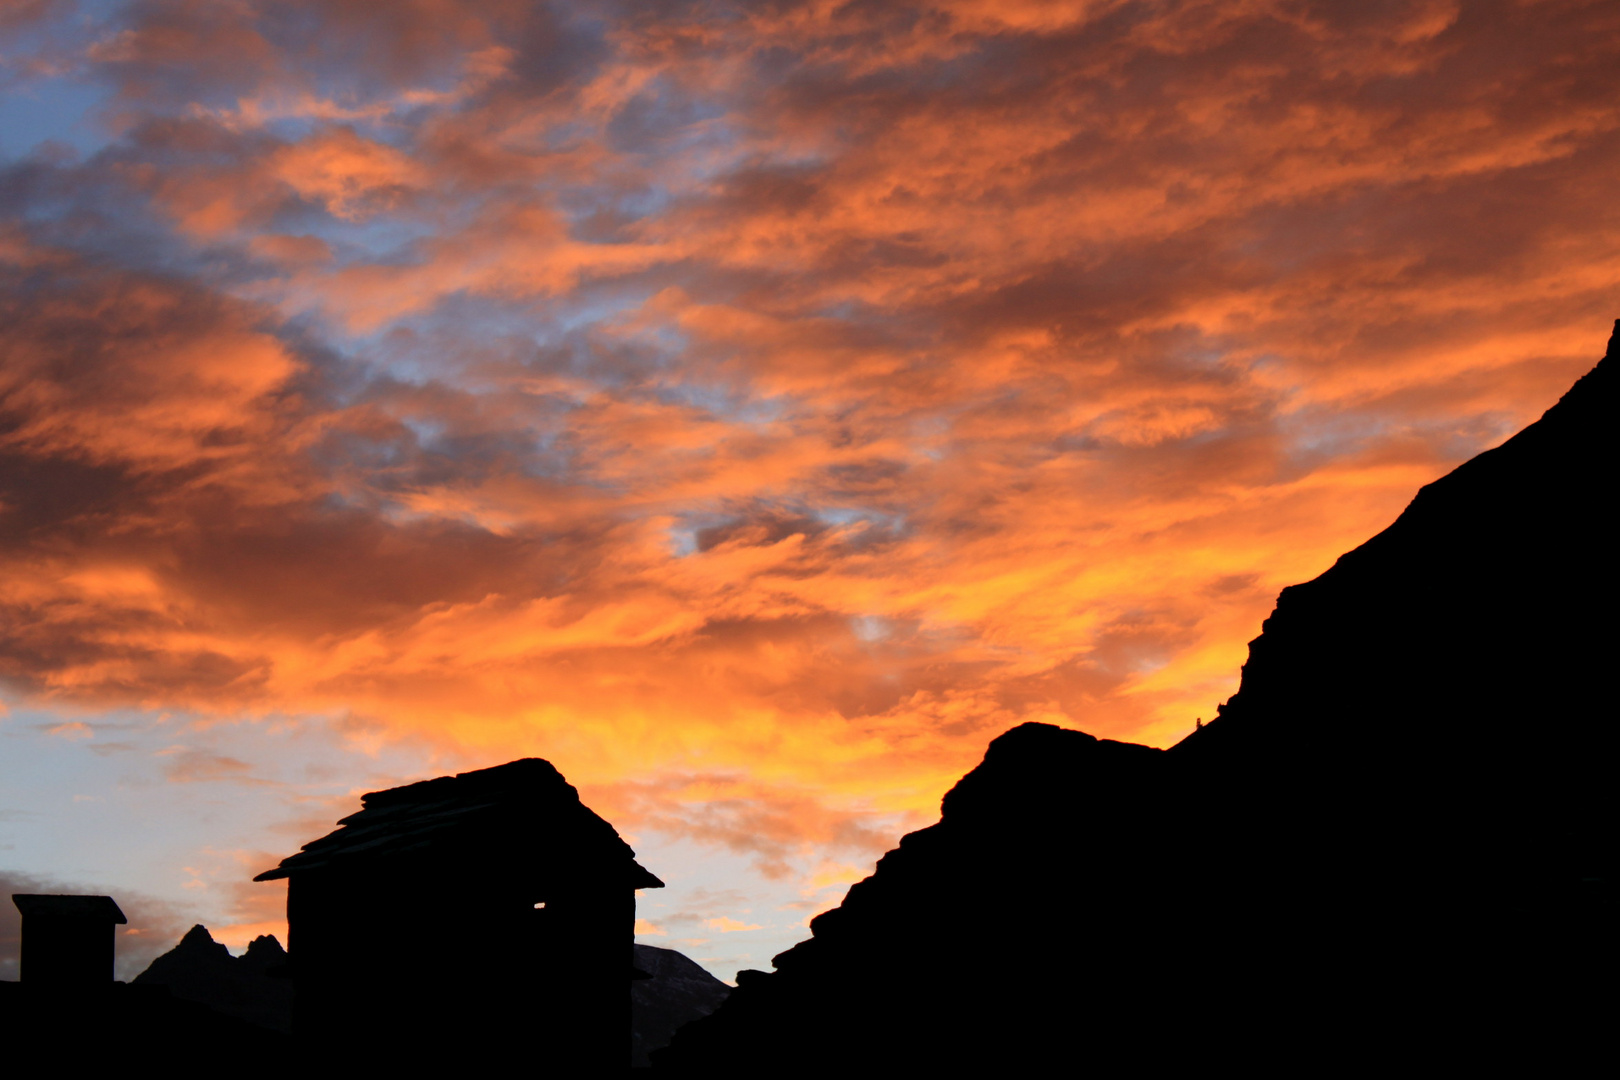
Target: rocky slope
point(677, 992)
point(1394, 844)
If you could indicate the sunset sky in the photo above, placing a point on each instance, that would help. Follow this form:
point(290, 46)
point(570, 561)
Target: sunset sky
point(751, 408)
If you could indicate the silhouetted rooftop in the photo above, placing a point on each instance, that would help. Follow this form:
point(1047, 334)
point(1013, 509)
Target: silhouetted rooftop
point(421, 819)
point(65, 906)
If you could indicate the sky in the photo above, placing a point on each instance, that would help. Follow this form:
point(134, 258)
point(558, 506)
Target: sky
point(751, 408)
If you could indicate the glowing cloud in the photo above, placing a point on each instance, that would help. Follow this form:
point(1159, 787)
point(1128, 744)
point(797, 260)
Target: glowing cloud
point(754, 409)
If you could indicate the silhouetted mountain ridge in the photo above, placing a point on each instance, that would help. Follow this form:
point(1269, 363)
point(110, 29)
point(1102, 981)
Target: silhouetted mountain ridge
point(201, 970)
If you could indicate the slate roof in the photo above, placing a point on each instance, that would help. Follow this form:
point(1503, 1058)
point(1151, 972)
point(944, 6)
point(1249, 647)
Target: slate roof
point(527, 798)
point(68, 906)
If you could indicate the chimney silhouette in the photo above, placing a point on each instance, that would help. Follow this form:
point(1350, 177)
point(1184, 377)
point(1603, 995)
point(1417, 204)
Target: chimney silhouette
point(67, 940)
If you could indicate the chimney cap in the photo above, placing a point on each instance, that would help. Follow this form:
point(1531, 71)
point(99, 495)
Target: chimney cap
point(68, 906)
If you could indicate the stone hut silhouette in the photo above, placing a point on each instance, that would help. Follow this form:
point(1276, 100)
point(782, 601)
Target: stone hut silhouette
point(67, 940)
point(463, 919)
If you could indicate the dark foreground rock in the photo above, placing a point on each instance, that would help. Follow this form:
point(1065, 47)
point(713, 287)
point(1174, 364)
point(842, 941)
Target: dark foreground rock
point(678, 992)
point(200, 995)
point(250, 987)
point(1393, 848)
point(72, 1032)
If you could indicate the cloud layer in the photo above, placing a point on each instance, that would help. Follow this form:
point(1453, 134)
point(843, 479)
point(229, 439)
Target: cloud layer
point(755, 408)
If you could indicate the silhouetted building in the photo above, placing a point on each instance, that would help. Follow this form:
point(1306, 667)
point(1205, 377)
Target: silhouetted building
point(67, 940)
point(465, 918)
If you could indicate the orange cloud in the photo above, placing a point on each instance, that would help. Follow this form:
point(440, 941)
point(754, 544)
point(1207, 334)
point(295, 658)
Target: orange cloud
point(756, 414)
point(352, 177)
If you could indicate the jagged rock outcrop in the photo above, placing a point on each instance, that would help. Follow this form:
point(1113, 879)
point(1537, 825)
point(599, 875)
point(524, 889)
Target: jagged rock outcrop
point(1393, 845)
point(250, 987)
point(676, 992)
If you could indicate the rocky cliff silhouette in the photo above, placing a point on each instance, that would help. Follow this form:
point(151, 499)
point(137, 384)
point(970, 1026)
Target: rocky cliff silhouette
point(252, 986)
point(1393, 846)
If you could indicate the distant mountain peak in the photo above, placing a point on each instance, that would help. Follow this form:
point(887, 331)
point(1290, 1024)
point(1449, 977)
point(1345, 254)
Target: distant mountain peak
point(266, 946)
point(199, 941)
point(202, 970)
point(676, 992)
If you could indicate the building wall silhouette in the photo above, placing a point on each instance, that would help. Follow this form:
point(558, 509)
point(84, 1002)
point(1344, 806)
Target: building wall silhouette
point(466, 918)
